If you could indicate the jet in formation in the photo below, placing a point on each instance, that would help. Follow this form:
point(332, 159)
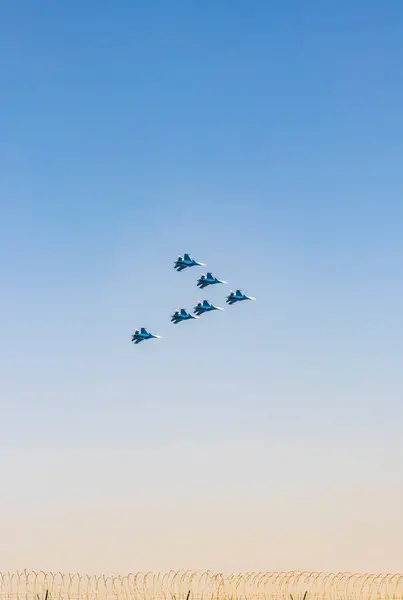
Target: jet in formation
point(205, 306)
point(237, 296)
point(183, 262)
point(141, 335)
point(208, 279)
point(181, 315)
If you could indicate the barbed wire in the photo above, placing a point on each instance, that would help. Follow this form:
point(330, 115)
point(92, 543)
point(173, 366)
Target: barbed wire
point(201, 585)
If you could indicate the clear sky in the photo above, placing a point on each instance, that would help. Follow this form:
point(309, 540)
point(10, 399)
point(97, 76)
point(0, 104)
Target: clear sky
point(266, 139)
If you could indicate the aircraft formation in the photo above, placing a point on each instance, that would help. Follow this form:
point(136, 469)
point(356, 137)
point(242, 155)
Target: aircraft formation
point(201, 307)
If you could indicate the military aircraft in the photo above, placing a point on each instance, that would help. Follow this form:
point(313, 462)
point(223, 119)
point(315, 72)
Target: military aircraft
point(181, 315)
point(237, 296)
point(183, 262)
point(143, 334)
point(208, 279)
point(201, 308)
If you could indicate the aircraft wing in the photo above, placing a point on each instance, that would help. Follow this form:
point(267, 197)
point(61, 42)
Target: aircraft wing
point(183, 312)
point(181, 267)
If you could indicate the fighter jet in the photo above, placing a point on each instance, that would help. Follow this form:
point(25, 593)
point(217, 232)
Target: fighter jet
point(201, 308)
point(208, 279)
point(181, 315)
point(237, 296)
point(143, 334)
point(182, 262)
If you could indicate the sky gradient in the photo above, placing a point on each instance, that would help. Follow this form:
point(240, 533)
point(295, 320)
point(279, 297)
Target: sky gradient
point(265, 139)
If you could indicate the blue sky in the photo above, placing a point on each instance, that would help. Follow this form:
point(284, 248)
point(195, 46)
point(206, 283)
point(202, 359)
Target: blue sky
point(265, 138)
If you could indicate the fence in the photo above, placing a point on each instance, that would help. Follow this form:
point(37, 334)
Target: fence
point(201, 585)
